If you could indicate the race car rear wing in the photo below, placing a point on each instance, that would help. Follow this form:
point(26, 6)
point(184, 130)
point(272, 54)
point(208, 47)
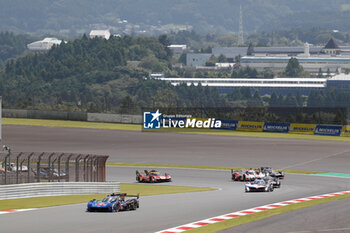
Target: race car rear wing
point(125, 195)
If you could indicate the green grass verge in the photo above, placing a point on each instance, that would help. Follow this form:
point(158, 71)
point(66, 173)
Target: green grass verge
point(201, 167)
point(133, 127)
point(216, 227)
point(143, 189)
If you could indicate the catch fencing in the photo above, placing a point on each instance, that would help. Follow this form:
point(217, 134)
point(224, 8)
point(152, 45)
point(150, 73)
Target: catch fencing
point(31, 167)
point(14, 191)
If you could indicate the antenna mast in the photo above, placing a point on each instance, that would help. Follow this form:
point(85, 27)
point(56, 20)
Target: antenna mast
point(240, 32)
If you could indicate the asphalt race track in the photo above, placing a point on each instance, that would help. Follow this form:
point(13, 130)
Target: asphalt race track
point(165, 211)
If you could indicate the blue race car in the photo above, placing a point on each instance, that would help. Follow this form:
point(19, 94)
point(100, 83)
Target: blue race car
point(114, 203)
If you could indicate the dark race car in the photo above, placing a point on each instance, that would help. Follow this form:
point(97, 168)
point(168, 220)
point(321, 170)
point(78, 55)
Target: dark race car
point(114, 203)
point(276, 182)
point(270, 172)
point(152, 176)
point(259, 185)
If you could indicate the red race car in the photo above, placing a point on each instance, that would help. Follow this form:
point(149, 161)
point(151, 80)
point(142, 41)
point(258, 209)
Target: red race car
point(246, 175)
point(152, 176)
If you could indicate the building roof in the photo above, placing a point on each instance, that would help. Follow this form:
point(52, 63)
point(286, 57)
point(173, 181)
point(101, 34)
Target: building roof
point(343, 77)
point(300, 59)
point(252, 82)
point(331, 45)
point(44, 44)
point(100, 33)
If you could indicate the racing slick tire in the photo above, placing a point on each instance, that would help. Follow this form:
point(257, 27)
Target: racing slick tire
point(133, 206)
point(118, 208)
point(151, 180)
point(243, 178)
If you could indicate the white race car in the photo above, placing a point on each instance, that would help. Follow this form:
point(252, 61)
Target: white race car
point(259, 185)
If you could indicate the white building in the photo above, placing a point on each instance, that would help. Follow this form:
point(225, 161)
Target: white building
point(178, 48)
point(265, 86)
point(100, 33)
point(44, 45)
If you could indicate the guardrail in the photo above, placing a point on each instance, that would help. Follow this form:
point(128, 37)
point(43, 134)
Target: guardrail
point(15, 191)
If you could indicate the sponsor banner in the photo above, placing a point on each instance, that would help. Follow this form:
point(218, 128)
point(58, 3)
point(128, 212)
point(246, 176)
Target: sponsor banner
point(226, 124)
point(276, 127)
point(302, 128)
point(329, 130)
point(345, 132)
point(250, 126)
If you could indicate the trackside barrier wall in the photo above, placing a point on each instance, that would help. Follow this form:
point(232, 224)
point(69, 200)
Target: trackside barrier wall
point(14, 191)
point(345, 132)
point(114, 118)
point(302, 128)
point(73, 116)
point(330, 130)
point(250, 126)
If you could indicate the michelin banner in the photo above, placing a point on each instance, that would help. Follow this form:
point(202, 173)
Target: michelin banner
point(226, 124)
point(250, 126)
point(302, 128)
point(345, 132)
point(328, 130)
point(276, 127)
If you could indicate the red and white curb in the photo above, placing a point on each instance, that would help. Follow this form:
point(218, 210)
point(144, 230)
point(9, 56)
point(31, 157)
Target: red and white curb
point(14, 211)
point(237, 214)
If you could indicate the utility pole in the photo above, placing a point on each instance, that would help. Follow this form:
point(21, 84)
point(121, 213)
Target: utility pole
point(240, 32)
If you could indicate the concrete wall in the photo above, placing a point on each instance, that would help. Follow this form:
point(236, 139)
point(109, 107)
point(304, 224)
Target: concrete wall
point(114, 118)
point(72, 116)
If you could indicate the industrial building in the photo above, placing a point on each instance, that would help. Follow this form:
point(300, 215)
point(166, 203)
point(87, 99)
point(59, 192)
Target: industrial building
point(329, 58)
point(44, 45)
point(268, 86)
point(311, 64)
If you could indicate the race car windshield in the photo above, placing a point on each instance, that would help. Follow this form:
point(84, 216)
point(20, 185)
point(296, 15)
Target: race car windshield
point(154, 173)
point(108, 199)
point(260, 182)
point(251, 173)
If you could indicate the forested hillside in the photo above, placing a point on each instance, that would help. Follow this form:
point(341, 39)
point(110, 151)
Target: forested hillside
point(12, 45)
point(66, 17)
point(93, 75)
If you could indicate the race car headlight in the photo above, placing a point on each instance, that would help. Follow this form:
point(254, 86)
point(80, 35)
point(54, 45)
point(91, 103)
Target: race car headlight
point(247, 188)
point(266, 189)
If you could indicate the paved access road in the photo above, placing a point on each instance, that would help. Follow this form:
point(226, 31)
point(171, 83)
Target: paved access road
point(165, 211)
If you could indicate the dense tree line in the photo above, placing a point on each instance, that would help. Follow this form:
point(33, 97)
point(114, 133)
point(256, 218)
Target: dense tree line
point(12, 45)
point(94, 75)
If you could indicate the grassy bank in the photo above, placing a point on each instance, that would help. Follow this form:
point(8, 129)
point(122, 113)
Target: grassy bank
point(142, 189)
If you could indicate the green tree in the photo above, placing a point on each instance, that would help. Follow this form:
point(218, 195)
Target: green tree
point(250, 49)
point(222, 58)
point(319, 74)
point(293, 69)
